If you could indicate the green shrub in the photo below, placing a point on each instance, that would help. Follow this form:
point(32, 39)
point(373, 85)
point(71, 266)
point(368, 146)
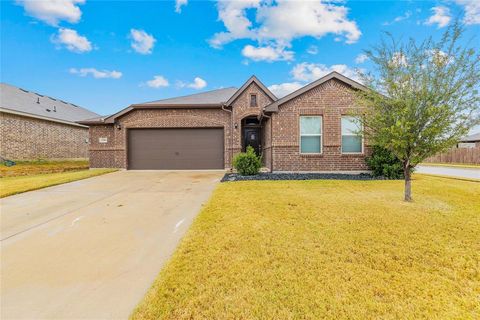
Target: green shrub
point(247, 163)
point(383, 163)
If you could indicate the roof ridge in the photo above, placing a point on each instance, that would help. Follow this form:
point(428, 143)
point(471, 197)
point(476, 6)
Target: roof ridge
point(42, 95)
point(273, 107)
point(184, 96)
point(253, 78)
point(18, 99)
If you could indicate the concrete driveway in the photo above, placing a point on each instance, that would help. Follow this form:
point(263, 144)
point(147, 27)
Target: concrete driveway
point(91, 248)
point(450, 171)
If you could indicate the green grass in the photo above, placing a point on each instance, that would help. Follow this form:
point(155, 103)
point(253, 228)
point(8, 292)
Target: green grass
point(326, 249)
point(459, 165)
point(25, 168)
point(13, 185)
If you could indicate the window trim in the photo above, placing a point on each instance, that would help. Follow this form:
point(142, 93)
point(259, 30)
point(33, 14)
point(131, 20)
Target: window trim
point(349, 135)
point(256, 100)
point(310, 135)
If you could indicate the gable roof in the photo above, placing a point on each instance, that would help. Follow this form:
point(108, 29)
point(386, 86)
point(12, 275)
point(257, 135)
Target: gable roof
point(208, 98)
point(245, 86)
point(30, 104)
point(273, 107)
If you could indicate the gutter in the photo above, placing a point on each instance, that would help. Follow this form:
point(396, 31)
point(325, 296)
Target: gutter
point(183, 105)
point(30, 115)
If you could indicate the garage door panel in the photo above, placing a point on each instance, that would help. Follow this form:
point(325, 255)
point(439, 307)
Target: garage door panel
point(201, 148)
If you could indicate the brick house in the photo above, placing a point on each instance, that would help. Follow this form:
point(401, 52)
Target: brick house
point(34, 126)
point(310, 129)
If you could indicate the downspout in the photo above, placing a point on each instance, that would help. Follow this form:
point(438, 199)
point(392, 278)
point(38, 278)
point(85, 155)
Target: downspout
point(231, 136)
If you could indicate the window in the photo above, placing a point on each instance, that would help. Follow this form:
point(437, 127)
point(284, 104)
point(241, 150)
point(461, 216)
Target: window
point(253, 100)
point(352, 141)
point(310, 134)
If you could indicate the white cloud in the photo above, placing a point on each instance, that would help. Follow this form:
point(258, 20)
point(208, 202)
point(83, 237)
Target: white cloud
point(361, 58)
point(234, 16)
point(399, 60)
point(407, 15)
point(282, 89)
point(267, 53)
point(313, 50)
point(72, 40)
point(158, 82)
point(53, 11)
point(440, 57)
point(441, 17)
point(197, 84)
point(142, 42)
point(179, 4)
point(307, 72)
point(97, 74)
point(277, 23)
point(472, 11)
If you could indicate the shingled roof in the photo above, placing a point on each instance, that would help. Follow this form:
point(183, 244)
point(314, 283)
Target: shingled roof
point(471, 138)
point(210, 98)
point(28, 103)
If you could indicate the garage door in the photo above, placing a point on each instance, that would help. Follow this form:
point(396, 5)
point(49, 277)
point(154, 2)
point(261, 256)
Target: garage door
point(200, 148)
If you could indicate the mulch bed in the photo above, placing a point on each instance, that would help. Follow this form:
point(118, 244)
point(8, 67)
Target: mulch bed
point(299, 176)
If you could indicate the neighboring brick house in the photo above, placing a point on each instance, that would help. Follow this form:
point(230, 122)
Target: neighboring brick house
point(34, 126)
point(310, 129)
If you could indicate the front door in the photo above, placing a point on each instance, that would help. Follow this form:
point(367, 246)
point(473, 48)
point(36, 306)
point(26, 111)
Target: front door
point(251, 137)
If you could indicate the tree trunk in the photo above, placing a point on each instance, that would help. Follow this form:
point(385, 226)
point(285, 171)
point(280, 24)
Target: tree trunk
point(408, 182)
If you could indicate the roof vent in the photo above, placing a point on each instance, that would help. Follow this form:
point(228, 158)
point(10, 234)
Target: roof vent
point(38, 100)
point(54, 109)
point(48, 110)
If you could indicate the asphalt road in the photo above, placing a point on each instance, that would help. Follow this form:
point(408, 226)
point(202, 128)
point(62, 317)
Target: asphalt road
point(450, 171)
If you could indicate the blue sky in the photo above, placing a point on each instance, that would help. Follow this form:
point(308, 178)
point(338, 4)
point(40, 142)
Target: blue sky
point(105, 55)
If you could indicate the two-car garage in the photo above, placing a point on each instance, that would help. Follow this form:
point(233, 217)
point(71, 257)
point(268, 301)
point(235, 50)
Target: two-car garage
point(175, 148)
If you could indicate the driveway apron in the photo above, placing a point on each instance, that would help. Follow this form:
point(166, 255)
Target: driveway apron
point(92, 248)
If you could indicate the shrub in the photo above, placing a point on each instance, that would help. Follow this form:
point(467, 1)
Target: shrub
point(383, 163)
point(247, 163)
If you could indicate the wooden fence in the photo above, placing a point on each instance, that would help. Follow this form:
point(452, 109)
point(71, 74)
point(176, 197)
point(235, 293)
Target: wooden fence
point(458, 155)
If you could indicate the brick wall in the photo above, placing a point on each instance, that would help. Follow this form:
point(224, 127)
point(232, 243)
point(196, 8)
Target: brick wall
point(25, 138)
point(330, 100)
point(114, 152)
point(241, 109)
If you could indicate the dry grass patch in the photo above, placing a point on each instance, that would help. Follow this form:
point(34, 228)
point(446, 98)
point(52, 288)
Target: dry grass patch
point(25, 168)
point(326, 249)
point(457, 165)
point(13, 185)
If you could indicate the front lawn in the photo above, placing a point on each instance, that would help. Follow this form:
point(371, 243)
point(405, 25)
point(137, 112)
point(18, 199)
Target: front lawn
point(14, 185)
point(327, 249)
point(456, 165)
point(28, 168)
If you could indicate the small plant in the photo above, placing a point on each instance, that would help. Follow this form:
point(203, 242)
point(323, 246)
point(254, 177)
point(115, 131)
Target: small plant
point(247, 163)
point(384, 164)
